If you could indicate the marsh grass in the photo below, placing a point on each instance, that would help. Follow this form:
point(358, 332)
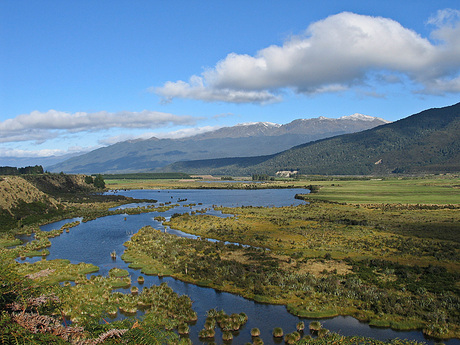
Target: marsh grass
point(315, 326)
point(323, 313)
point(266, 276)
point(120, 284)
point(90, 299)
point(390, 247)
point(63, 270)
point(118, 272)
point(8, 240)
point(401, 325)
point(277, 332)
point(255, 332)
point(407, 234)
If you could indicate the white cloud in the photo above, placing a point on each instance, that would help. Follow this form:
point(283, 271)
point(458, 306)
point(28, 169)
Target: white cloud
point(39, 127)
point(182, 133)
point(39, 136)
point(441, 85)
point(21, 153)
point(445, 17)
point(332, 55)
point(195, 89)
point(186, 132)
point(220, 116)
point(30, 153)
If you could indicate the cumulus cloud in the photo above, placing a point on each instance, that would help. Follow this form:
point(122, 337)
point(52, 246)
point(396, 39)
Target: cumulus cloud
point(38, 126)
point(196, 89)
point(333, 55)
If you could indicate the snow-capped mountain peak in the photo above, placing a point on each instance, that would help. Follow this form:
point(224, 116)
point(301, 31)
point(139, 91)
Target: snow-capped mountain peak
point(361, 117)
point(265, 124)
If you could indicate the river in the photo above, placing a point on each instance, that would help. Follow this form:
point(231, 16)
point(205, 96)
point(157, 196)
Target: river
point(93, 241)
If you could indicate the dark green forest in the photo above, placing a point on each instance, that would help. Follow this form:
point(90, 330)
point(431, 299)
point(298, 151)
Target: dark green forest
point(6, 170)
point(427, 142)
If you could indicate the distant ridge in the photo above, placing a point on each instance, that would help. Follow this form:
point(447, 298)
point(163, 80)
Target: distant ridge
point(427, 142)
point(247, 139)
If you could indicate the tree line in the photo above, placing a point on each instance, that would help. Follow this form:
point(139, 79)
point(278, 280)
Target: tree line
point(34, 170)
point(97, 181)
point(262, 177)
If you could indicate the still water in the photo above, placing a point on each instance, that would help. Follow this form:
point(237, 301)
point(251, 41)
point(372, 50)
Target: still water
point(92, 242)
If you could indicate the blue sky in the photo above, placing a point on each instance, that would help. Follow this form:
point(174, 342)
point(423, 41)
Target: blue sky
point(76, 75)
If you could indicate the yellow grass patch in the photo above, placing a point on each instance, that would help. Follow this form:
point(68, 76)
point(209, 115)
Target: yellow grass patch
point(14, 188)
point(317, 267)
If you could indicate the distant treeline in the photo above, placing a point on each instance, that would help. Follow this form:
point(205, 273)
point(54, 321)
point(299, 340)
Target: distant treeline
point(38, 169)
point(262, 177)
point(146, 176)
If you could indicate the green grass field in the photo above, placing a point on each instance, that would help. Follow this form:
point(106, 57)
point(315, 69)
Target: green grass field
point(140, 183)
point(433, 190)
point(391, 191)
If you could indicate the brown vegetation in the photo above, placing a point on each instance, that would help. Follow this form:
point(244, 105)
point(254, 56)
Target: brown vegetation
point(14, 189)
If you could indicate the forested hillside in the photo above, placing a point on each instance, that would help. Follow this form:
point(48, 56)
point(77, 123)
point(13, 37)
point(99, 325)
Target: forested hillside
point(427, 142)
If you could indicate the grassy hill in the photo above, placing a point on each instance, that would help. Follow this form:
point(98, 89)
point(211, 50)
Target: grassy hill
point(427, 142)
point(14, 189)
point(21, 202)
point(29, 198)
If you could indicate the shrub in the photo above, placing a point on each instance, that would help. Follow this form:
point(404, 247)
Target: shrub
point(315, 326)
point(278, 332)
point(255, 332)
point(226, 336)
point(183, 329)
point(300, 326)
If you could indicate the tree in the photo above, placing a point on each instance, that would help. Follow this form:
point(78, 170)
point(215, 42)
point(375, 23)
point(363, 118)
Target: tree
point(99, 181)
point(37, 169)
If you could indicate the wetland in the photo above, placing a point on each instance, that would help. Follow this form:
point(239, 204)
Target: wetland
point(279, 260)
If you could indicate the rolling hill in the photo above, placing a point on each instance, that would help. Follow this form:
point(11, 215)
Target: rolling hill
point(250, 139)
point(427, 142)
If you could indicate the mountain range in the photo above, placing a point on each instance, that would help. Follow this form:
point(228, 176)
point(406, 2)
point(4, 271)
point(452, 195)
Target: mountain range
point(248, 139)
point(427, 142)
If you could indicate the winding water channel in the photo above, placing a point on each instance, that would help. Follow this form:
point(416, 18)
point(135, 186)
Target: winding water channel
point(93, 241)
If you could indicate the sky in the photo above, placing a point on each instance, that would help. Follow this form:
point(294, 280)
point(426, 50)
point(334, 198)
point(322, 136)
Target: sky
point(77, 75)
